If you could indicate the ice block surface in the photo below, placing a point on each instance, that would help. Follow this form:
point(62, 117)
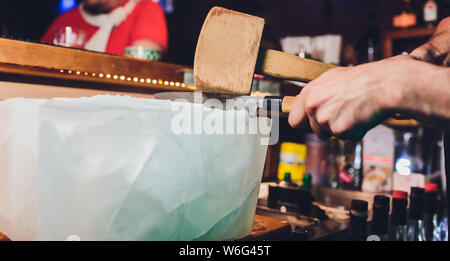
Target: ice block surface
point(111, 168)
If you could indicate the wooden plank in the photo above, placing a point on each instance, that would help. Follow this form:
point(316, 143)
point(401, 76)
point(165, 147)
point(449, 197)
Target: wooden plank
point(410, 33)
point(62, 58)
point(391, 35)
point(265, 228)
point(40, 91)
point(78, 78)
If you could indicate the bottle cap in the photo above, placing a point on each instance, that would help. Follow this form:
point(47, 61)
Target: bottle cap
point(431, 187)
point(400, 194)
point(287, 177)
point(307, 181)
point(398, 213)
point(359, 205)
point(416, 191)
point(381, 201)
point(380, 217)
point(416, 203)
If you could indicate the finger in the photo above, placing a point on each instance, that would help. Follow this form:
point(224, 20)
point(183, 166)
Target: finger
point(446, 61)
point(432, 52)
point(297, 114)
point(320, 132)
point(423, 53)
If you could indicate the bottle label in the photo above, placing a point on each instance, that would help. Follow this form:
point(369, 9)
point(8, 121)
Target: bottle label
point(430, 11)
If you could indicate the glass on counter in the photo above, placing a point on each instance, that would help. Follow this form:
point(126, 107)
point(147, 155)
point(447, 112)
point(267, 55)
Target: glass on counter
point(143, 53)
point(69, 37)
point(317, 158)
point(345, 164)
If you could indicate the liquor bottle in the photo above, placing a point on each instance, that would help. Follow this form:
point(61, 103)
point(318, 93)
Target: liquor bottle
point(398, 228)
point(430, 12)
point(430, 215)
point(416, 229)
point(358, 220)
point(380, 217)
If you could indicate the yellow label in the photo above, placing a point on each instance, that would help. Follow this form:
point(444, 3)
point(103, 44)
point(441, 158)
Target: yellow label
point(292, 160)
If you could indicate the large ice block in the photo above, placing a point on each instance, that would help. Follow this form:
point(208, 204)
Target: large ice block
point(112, 168)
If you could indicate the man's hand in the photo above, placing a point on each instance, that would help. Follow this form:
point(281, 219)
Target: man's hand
point(437, 50)
point(346, 102)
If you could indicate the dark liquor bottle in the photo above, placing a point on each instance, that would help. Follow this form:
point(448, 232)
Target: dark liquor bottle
point(430, 215)
point(398, 228)
point(416, 229)
point(380, 217)
point(358, 220)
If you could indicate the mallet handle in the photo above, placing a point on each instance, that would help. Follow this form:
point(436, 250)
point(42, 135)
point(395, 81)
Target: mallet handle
point(290, 67)
point(283, 104)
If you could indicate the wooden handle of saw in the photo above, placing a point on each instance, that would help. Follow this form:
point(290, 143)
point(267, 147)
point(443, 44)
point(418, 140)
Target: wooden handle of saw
point(290, 67)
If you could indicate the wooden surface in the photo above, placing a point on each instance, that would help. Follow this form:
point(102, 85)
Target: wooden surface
point(267, 228)
point(33, 59)
point(287, 66)
point(35, 90)
point(264, 228)
point(4, 238)
point(390, 36)
point(226, 52)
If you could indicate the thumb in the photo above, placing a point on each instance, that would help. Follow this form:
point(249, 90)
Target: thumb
point(298, 113)
point(424, 53)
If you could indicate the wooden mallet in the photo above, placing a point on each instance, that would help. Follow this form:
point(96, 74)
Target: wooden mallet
point(228, 55)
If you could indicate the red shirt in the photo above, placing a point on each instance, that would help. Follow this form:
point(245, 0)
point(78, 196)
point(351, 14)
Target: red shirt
point(145, 22)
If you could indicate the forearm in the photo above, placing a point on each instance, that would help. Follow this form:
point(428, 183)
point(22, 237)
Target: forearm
point(427, 98)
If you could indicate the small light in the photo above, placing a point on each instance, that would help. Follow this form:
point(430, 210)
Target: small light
point(129, 79)
point(100, 75)
point(69, 71)
point(177, 84)
point(160, 82)
point(122, 77)
point(108, 76)
point(93, 74)
point(166, 83)
point(155, 81)
point(61, 71)
point(78, 72)
point(86, 73)
point(172, 83)
point(142, 80)
point(183, 85)
point(149, 81)
point(135, 79)
point(115, 77)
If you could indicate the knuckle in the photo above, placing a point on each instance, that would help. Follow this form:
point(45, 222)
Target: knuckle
point(322, 120)
point(339, 129)
point(310, 107)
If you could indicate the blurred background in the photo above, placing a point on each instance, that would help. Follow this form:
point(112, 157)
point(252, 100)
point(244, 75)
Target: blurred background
point(300, 168)
point(359, 22)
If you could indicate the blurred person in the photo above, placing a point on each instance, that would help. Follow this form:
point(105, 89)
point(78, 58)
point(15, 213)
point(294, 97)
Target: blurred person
point(113, 25)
